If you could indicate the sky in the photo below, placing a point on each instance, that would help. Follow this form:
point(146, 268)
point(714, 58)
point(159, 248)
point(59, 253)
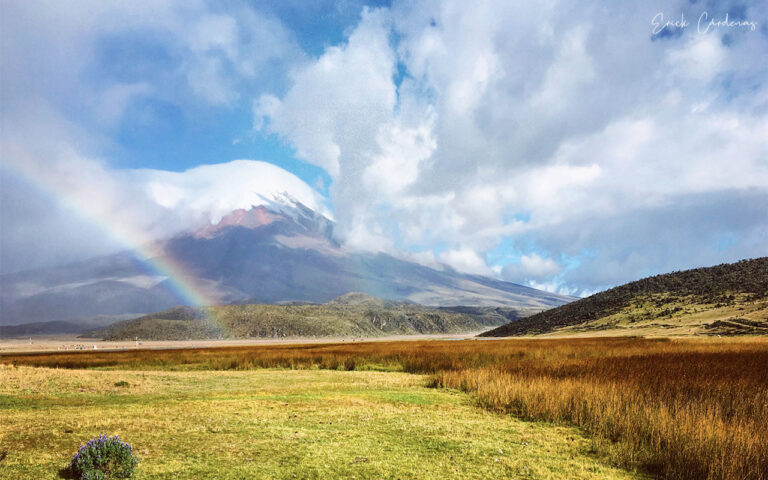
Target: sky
point(569, 146)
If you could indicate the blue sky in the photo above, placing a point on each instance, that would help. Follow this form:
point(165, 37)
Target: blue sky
point(170, 134)
point(570, 147)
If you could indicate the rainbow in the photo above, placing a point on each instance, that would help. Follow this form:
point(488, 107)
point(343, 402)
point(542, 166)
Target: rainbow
point(157, 262)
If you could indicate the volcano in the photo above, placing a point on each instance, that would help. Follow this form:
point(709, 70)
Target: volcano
point(281, 252)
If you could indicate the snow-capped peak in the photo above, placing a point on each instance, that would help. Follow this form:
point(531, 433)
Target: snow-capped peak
point(213, 191)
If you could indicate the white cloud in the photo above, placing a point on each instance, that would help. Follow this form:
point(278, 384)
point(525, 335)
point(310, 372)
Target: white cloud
point(537, 266)
point(465, 260)
point(700, 58)
point(341, 99)
point(402, 151)
point(537, 272)
point(571, 116)
point(557, 287)
point(571, 69)
point(212, 191)
point(75, 55)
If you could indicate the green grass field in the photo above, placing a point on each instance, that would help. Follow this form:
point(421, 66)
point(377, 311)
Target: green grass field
point(278, 424)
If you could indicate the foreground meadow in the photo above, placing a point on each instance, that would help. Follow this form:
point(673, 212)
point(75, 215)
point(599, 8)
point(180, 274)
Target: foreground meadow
point(673, 408)
point(277, 424)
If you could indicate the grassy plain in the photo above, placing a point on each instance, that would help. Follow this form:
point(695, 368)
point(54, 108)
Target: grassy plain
point(675, 408)
point(276, 424)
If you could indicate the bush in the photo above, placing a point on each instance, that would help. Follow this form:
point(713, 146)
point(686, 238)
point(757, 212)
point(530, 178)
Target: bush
point(104, 458)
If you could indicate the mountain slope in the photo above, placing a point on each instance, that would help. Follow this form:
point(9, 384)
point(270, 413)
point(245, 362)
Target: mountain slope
point(56, 327)
point(725, 299)
point(353, 315)
point(283, 252)
point(37, 328)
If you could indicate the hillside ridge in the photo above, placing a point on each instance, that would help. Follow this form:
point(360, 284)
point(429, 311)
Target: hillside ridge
point(351, 315)
point(723, 299)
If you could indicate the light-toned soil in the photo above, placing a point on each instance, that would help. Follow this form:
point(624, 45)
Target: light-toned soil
point(51, 343)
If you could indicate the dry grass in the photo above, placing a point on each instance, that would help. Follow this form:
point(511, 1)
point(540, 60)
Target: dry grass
point(679, 410)
point(685, 409)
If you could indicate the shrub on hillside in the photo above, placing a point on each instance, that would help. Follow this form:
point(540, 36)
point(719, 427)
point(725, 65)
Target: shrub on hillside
point(104, 458)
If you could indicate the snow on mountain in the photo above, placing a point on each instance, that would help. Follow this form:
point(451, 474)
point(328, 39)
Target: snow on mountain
point(216, 190)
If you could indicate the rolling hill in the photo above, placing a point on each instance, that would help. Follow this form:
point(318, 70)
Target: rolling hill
point(352, 315)
point(728, 299)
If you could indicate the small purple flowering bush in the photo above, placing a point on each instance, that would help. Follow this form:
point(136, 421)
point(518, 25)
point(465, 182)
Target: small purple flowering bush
point(104, 458)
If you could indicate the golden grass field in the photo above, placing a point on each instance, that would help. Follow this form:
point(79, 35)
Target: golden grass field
point(671, 408)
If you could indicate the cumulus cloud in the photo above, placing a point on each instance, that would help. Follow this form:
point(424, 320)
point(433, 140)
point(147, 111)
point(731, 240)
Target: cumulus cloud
point(533, 267)
point(538, 272)
point(93, 52)
point(544, 131)
point(339, 100)
point(465, 260)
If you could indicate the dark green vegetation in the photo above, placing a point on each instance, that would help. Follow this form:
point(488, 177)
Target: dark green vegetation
point(353, 315)
point(104, 458)
point(726, 299)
